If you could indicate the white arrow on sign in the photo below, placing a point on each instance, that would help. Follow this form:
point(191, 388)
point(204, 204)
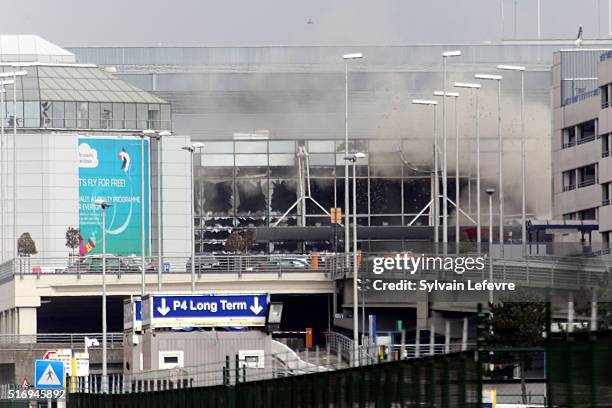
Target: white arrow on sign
point(163, 309)
point(256, 308)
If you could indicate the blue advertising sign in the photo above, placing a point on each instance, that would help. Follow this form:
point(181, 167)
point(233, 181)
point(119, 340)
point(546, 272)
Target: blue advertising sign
point(110, 168)
point(206, 310)
point(49, 375)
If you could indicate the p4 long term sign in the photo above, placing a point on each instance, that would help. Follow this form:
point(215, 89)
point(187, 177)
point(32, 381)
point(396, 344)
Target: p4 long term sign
point(227, 310)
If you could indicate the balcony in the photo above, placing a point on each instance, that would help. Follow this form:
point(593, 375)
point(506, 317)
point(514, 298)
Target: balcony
point(586, 139)
point(569, 187)
point(586, 183)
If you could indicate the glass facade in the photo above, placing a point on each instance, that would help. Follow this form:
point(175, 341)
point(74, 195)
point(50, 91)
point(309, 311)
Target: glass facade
point(81, 97)
point(245, 184)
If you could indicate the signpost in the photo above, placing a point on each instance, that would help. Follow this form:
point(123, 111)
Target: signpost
point(49, 375)
point(205, 310)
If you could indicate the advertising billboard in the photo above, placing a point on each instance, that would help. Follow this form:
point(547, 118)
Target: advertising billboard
point(110, 168)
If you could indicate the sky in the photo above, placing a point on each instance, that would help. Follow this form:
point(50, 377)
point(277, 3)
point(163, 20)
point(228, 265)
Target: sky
point(286, 22)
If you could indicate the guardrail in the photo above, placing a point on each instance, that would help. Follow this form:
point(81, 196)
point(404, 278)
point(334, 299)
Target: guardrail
point(238, 264)
point(73, 339)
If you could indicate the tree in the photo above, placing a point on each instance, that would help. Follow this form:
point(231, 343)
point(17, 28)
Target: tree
point(240, 241)
point(519, 323)
point(73, 236)
point(26, 245)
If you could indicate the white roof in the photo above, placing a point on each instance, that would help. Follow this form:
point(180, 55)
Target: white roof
point(32, 48)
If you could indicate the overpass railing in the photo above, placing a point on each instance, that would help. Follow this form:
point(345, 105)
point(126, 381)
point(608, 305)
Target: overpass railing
point(233, 264)
point(73, 339)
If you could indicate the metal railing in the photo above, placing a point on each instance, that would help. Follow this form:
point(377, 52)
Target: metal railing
point(238, 264)
point(73, 339)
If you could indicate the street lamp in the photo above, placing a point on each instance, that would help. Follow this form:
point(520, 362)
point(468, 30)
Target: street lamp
point(191, 149)
point(353, 159)
point(476, 88)
point(14, 75)
point(4, 168)
point(455, 96)
point(158, 136)
point(347, 58)
point(436, 201)
point(521, 69)
point(490, 192)
point(103, 205)
point(445, 55)
point(498, 78)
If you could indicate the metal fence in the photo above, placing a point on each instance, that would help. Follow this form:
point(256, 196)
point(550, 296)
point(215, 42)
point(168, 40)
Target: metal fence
point(115, 265)
point(437, 381)
point(114, 339)
point(579, 367)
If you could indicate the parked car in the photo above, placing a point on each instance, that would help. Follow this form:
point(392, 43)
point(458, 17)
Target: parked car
point(203, 263)
point(114, 264)
point(284, 265)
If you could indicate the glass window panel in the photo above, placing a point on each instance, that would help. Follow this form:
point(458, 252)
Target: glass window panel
point(106, 115)
point(219, 147)
point(165, 117)
point(130, 116)
point(252, 147)
point(31, 95)
point(10, 114)
point(45, 114)
point(321, 146)
point(142, 116)
point(70, 112)
point(154, 117)
point(321, 159)
point(218, 160)
point(282, 160)
point(251, 160)
point(284, 146)
point(31, 114)
point(58, 115)
point(83, 115)
point(118, 116)
point(94, 115)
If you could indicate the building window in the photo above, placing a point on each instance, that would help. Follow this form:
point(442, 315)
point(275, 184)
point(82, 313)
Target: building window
point(586, 132)
point(605, 97)
point(589, 214)
point(605, 145)
point(569, 180)
point(605, 194)
point(569, 217)
point(569, 137)
point(586, 176)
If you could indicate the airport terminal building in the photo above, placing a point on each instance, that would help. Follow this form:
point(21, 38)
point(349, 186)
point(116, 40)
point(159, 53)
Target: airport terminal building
point(258, 108)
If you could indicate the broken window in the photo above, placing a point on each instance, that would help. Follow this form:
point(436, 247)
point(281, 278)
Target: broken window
point(417, 193)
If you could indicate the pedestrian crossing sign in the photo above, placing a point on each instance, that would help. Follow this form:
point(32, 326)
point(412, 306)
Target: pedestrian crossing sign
point(49, 374)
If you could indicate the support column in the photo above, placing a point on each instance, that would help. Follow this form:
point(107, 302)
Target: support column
point(26, 321)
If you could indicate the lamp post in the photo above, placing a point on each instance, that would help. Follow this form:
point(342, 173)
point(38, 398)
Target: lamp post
point(160, 256)
point(436, 200)
point(353, 159)
point(445, 55)
point(498, 78)
point(521, 69)
point(490, 192)
point(455, 96)
point(145, 133)
point(476, 88)
point(15, 74)
point(191, 149)
point(347, 58)
point(4, 168)
point(104, 205)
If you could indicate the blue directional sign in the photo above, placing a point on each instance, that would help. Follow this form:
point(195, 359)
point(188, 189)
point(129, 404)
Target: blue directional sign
point(206, 310)
point(49, 375)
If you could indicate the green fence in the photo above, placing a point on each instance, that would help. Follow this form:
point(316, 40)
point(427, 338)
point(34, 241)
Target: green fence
point(449, 381)
point(579, 370)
